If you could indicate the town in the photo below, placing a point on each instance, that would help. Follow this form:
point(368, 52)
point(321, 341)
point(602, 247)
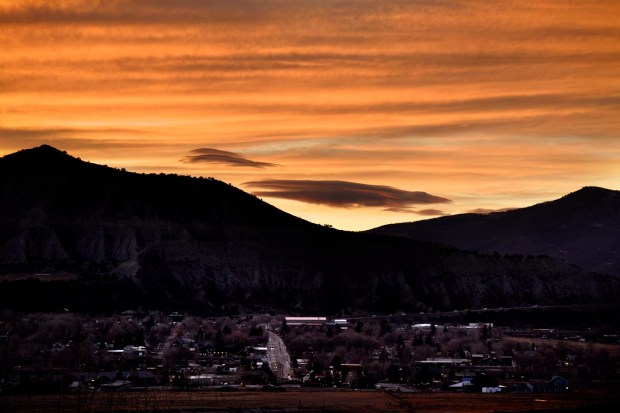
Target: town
point(64, 353)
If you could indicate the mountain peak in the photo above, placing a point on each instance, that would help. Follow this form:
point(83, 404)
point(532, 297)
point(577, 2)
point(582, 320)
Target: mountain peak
point(44, 161)
point(40, 153)
point(44, 148)
point(593, 190)
point(590, 194)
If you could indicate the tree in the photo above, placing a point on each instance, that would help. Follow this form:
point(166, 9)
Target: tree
point(336, 362)
point(359, 326)
point(219, 341)
point(385, 327)
point(268, 373)
point(200, 335)
point(329, 380)
point(149, 323)
point(484, 334)
point(256, 331)
point(284, 328)
point(393, 373)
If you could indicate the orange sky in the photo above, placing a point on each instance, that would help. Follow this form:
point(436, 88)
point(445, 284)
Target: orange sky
point(349, 113)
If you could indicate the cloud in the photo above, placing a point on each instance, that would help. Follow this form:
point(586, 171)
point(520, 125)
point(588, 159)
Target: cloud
point(210, 155)
point(423, 212)
point(431, 212)
point(343, 194)
point(95, 140)
point(57, 133)
point(462, 96)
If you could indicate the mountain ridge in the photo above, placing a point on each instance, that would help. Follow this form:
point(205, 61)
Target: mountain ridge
point(582, 227)
point(184, 241)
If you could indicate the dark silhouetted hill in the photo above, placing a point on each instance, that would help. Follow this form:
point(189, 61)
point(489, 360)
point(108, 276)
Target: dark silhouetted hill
point(167, 241)
point(581, 228)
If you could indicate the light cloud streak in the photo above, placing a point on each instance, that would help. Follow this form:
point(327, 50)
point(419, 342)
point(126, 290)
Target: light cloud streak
point(492, 104)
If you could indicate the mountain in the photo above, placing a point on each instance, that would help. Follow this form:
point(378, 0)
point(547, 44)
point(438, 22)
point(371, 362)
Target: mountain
point(168, 241)
point(582, 228)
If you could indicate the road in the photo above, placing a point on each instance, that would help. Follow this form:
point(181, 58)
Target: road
point(279, 360)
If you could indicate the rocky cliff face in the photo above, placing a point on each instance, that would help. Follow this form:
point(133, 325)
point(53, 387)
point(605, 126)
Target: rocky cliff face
point(183, 240)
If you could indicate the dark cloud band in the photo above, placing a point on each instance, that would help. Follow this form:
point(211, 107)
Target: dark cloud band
point(344, 194)
point(210, 155)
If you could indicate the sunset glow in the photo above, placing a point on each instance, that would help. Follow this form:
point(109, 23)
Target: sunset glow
point(363, 112)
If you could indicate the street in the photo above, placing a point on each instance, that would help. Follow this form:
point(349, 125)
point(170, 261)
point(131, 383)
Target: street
point(279, 360)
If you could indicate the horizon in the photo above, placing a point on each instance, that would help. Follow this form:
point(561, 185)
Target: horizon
point(480, 212)
point(353, 115)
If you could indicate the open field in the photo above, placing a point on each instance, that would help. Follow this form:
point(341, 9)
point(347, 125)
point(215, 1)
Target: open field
point(44, 277)
point(612, 349)
point(585, 399)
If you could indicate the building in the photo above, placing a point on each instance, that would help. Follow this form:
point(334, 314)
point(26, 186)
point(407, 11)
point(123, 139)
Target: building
point(306, 321)
point(117, 385)
point(557, 384)
point(339, 322)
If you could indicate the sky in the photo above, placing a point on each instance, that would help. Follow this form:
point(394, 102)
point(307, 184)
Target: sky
point(347, 113)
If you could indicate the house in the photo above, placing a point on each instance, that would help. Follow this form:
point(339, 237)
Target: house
point(176, 317)
point(460, 386)
point(77, 387)
point(477, 359)
point(445, 361)
point(142, 378)
point(482, 381)
point(199, 380)
point(339, 322)
point(106, 377)
point(505, 361)
point(81, 376)
point(557, 384)
point(117, 385)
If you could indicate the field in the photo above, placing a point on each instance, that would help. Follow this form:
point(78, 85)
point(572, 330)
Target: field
point(611, 349)
point(43, 277)
point(585, 399)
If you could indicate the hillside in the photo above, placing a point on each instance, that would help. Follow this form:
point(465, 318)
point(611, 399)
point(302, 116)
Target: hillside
point(582, 228)
point(166, 241)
